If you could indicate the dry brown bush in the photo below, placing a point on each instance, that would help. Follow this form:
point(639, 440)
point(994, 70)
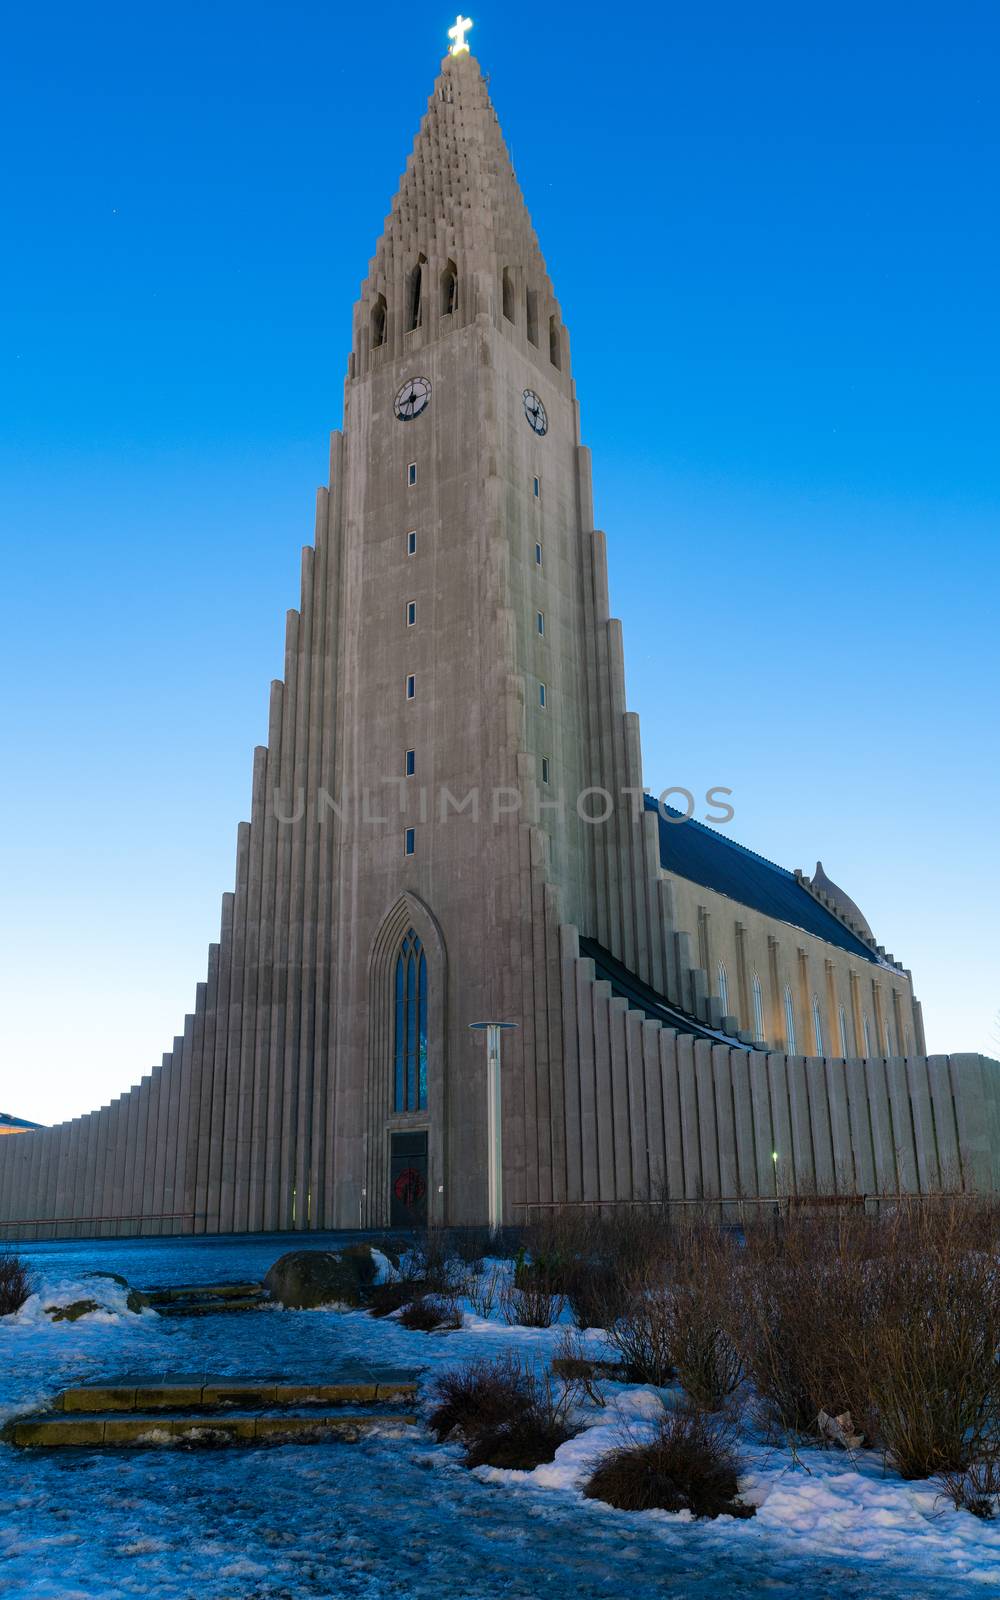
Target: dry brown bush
point(894, 1318)
point(480, 1394)
point(533, 1296)
point(707, 1361)
point(521, 1445)
point(431, 1314)
point(641, 1336)
point(690, 1465)
point(799, 1294)
point(929, 1355)
point(507, 1415)
point(975, 1488)
point(484, 1291)
point(434, 1262)
point(382, 1299)
point(595, 1258)
point(575, 1365)
point(15, 1285)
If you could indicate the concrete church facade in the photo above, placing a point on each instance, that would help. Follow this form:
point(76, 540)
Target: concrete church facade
point(448, 823)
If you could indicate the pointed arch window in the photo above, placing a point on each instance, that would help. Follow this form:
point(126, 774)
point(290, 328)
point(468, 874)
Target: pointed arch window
point(410, 1047)
point(890, 1043)
point(758, 1009)
point(555, 344)
point(378, 321)
point(842, 1024)
point(724, 988)
point(449, 289)
point(789, 1021)
point(414, 296)
point(817, 1026)
point(507, 288)
point(866, 1028)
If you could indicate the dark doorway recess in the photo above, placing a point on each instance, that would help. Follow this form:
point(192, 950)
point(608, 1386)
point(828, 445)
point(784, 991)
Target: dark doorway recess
point(408, 1180)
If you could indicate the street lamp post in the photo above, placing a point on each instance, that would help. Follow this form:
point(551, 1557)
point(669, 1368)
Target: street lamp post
point(494, 1119)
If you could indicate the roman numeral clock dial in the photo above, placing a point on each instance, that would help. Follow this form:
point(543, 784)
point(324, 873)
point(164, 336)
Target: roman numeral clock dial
point(535, 412)
point(412, 398)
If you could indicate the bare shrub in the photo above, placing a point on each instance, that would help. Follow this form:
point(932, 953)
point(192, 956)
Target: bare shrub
point(701, 1347)
point(975, 1488)
point(642, 1335)
point(521, 1445)
point(574, 1365)
point(431, 1314)
point(595, 1259)
point(470, 1246)
point(433, 1262)
point(507, 1415)
point(894, 1318)
point(690, 1465)
point(800, 1300)
point(478, 1395)
point(484, 1291)
point(385, 1298)
point(929, 1357)
point(532, 1298)
point(15, 1286)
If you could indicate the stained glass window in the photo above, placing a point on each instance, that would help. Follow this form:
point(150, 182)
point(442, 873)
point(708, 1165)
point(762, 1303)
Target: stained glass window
point(410, 1055)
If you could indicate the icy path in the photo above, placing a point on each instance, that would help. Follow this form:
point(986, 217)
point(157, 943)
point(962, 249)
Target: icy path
point(400, 1518)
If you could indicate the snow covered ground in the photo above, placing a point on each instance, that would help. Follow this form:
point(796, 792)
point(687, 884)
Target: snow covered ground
point(396, 1517)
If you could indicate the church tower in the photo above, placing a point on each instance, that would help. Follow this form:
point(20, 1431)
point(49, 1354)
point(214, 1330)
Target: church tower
point(462, 704)
point(448, 824)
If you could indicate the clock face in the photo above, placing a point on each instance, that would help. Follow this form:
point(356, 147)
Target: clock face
point(535, 412)
point(412, 398)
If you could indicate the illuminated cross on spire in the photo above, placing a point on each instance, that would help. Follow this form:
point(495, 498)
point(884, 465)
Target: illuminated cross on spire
point(458, 32)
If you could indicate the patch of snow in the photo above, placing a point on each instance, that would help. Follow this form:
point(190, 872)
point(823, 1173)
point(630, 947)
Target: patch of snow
point(394, 1513)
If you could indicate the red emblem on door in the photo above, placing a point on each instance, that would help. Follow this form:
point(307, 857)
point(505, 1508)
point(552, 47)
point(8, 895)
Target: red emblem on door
point(409, 1186)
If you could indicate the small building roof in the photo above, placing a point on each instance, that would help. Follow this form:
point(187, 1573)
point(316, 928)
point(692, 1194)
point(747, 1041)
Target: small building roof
point(7, 1121)
point(700, 854)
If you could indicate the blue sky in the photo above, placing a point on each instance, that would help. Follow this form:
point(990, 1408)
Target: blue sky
point(773, 230)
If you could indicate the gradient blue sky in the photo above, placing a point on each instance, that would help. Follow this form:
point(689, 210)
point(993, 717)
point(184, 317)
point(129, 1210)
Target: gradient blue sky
point(773, 230)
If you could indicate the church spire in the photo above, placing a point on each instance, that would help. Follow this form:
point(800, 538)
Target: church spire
point(458, 242)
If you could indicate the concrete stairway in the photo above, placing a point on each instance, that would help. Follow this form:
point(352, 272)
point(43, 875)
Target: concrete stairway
point(202, 1299)
point(198, 1410)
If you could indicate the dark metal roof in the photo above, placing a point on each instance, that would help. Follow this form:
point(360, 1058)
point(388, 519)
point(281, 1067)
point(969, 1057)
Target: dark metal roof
point(642, 998)
point(704, 856)
point(7, 1121)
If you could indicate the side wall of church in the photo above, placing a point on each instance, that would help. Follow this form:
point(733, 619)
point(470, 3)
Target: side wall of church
point(747, 942)
point(651, 1113)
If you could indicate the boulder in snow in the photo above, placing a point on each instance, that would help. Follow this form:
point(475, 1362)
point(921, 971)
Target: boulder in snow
point(303, 1279)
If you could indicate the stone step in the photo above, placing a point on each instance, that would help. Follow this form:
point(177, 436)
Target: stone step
point(210, 1307)
point(202, 1291)
point(208, 1394)
point(88, 1430)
